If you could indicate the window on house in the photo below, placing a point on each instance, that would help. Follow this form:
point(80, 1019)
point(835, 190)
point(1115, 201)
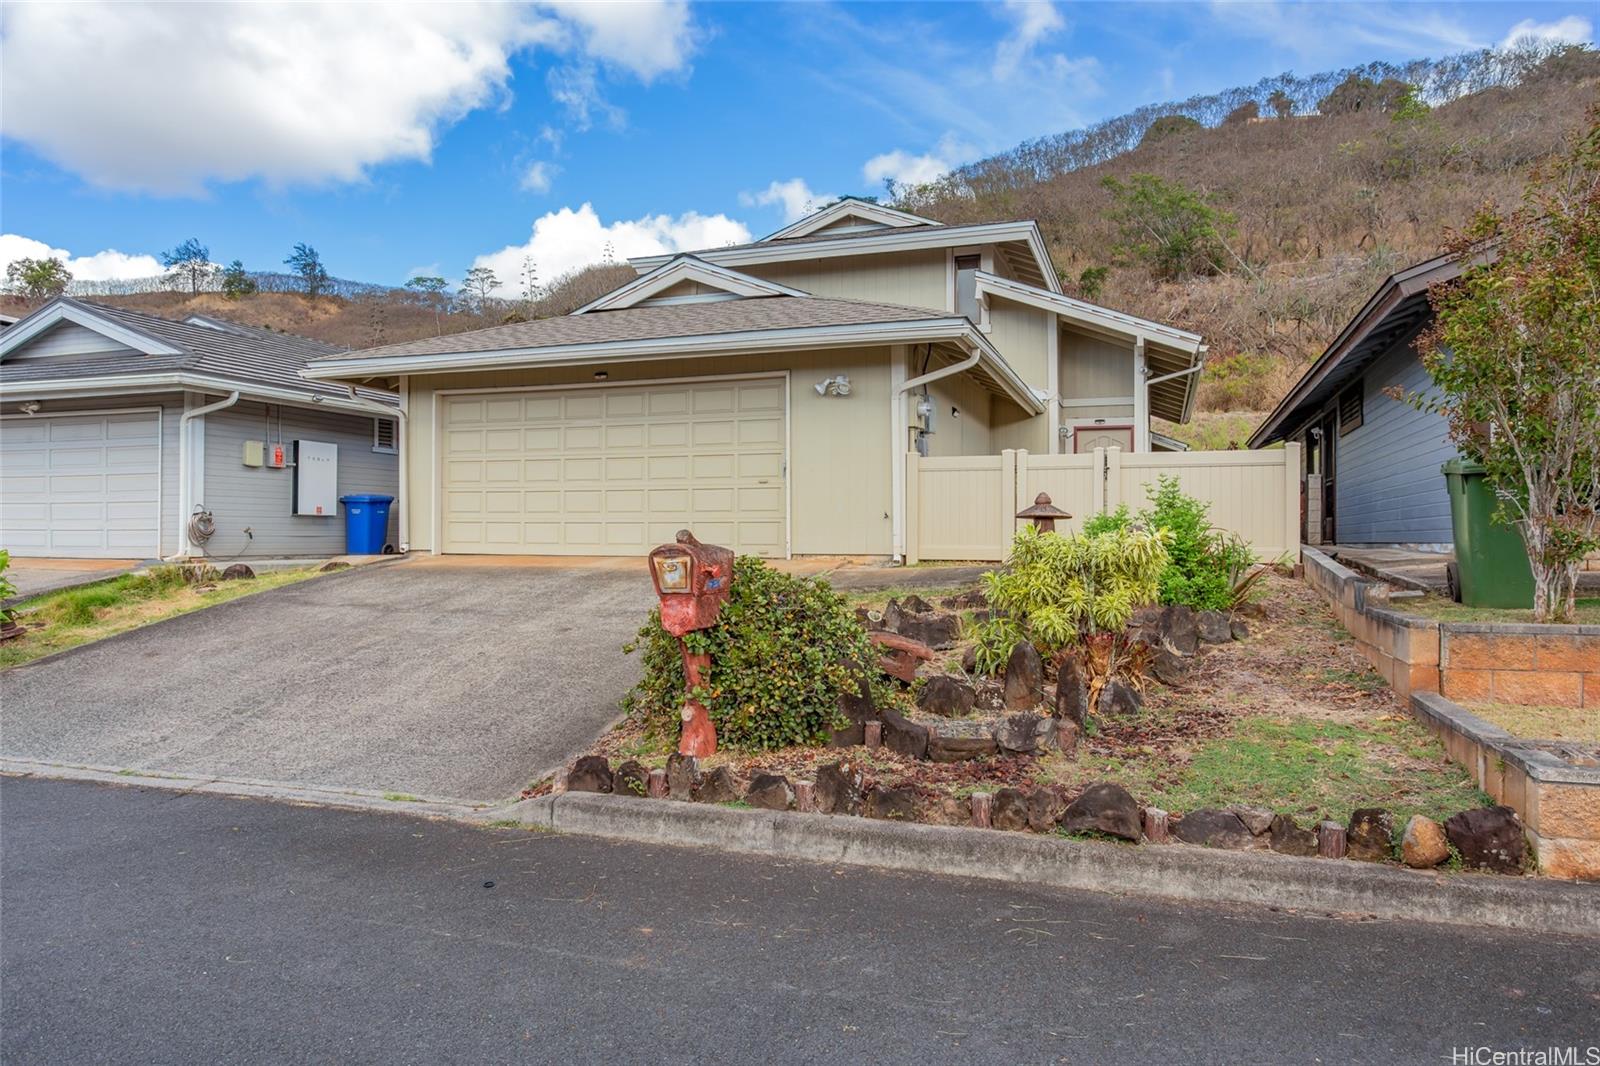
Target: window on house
point(967, 286)
point(383, 435)
point(1350, 409)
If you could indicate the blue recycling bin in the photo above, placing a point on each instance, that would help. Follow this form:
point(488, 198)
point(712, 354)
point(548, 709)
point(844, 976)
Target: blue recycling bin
point(366, 522)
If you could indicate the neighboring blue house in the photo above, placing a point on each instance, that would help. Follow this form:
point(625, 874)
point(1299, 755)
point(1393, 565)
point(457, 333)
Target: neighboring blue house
point(1370, 470)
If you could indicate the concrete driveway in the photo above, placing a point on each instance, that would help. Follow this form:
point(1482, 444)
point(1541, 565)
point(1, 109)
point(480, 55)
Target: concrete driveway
point(440, 681)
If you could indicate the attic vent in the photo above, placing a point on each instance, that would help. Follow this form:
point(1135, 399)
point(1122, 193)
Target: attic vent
point(383, 435)
point(1350, 413)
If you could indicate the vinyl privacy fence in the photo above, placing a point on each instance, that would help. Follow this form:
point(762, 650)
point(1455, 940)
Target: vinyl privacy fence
point(963, 507)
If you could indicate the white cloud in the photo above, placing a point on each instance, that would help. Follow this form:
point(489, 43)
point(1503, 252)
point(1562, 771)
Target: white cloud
point(567, 239)
point(1574, 29)
point(539, 176)
point(903, 168)
point(107, 265)
point(794, 196)
point(165, 97)
point(1033, 21)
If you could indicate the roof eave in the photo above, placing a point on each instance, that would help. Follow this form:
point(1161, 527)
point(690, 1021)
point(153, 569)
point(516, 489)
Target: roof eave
point(171, 381)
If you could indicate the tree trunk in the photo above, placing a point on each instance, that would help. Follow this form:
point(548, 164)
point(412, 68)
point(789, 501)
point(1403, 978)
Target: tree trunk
point(1555, 581)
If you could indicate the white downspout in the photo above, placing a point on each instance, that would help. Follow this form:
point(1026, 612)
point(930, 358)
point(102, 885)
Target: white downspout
point(898, 417)
point(399, 414)
point(186, 469)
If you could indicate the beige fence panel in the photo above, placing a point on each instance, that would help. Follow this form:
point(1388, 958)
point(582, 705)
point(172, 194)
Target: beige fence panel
point(1073, 482)
point(960, 507)
point(1255, 494)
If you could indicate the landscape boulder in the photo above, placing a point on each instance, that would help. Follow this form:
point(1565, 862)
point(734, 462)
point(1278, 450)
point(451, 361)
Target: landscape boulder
point(903, 736)
point(964, 601)
point(632, 778)
point(915, 617)
point(1024, 678)
point(1239, 628)
point(718, 786)
point(1215, 829)
point(1488, 838)
point(237, 571)
point(1104, 808)
point(1010, 810)
point(1285, 837)
point(1423, 845)
point(1370, 835)
point(1177, 630)
point(1214, 627)
point(1046, 805)
point(1017, 734)
point(1118, 698)
point(892, 804)
point(945, 695)
point(838, 788)
point(969, 659)
point(683, 775)
point(770, 792)
point(591, 773)
point(944, 747)
point(1170, 668)
point(1256, 819)
point(1072, 690)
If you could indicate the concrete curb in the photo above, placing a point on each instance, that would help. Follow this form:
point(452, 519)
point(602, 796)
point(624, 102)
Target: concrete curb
point(1163, 871)
point(243, 788)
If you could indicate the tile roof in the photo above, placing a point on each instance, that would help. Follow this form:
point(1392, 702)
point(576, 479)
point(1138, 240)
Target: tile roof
point(750, 314)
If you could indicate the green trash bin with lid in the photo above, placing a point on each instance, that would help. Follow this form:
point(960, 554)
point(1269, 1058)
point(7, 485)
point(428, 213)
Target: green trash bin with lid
point(1491, 567)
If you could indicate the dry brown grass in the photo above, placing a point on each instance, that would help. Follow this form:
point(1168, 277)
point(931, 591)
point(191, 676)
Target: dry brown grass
point(1542, 723)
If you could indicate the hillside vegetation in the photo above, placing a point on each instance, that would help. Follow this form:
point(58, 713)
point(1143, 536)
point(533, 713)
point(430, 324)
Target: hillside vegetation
point(1323, 206)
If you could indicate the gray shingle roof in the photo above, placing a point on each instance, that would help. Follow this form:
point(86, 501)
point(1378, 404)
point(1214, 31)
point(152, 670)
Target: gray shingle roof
point(826, 237)
point(227, 351)
point(662, 320)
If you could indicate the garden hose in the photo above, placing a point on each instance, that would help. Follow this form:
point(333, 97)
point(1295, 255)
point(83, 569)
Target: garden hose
point(201, 527)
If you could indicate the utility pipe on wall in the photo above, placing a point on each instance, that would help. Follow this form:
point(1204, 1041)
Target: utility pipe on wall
point(187, 467)
point(898, 417)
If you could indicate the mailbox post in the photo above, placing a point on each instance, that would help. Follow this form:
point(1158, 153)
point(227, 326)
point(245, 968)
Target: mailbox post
point(692, 582)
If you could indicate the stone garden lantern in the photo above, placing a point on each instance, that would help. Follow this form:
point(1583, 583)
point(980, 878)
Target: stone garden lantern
point(1043, 513)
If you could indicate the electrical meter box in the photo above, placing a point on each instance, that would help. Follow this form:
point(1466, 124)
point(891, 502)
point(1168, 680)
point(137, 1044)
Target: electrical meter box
point(316, 479)
point(276, 455)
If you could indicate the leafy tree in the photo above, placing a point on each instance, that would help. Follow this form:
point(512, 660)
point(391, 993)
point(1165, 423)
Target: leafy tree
point(1410, 106)
point(38, 279)
point(305, 262)
point(1169, 126)
point(1248, 111)
point(478, 285)
point(1178, 232)
point(1282, 103)
point(1514, 351)
point(191, 262)
point(430, 289)
point(1357, 93)
point(1092, 281)
point(237, 282)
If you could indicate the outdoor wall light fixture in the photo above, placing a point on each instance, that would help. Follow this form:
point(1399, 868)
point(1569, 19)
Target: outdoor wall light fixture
point(600, 375)
point(31, 407)
point(838, 385)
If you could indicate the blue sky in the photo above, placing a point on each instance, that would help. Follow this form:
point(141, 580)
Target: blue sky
point(428, 138)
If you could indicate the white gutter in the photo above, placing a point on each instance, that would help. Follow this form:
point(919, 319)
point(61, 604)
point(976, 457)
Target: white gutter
point(1175, 374)
point(897, 415)
point(115, 383)
point(188, 467)
point(379, 410)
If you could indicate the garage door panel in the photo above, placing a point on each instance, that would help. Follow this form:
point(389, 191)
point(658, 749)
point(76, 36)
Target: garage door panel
point(617, 469)
point(145, 457)
point(20, 431)
point(75, 514)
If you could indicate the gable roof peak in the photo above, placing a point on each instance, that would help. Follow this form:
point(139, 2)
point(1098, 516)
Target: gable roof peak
point(872, 214)
point(717, 283)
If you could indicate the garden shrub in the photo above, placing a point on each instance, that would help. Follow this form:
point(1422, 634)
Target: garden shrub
point(1205, 566)
point(1059, 590)
point(782, 653)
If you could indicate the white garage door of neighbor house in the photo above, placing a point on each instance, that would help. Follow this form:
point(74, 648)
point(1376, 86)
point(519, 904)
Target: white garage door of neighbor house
point(616, 470)
point(81, 486)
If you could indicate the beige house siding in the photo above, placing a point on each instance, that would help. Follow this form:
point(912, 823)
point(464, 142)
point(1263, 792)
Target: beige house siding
point(1094, 368)
point(966, 432)
point(915, 279)
point(1022, 334)
point(839, 447)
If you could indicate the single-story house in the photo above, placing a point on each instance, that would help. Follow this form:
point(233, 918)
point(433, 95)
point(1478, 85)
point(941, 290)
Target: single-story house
point(1370, 467)
point(767, 394)
point(123, 434)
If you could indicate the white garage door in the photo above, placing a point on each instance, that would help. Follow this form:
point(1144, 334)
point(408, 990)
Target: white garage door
point(81, 486)
point(616, 470)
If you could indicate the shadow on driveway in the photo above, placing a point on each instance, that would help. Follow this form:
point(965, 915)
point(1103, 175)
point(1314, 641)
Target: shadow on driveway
point(440, 682)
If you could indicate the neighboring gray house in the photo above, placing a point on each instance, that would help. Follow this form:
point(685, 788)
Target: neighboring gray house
point(1371, 463)
point(124, 435)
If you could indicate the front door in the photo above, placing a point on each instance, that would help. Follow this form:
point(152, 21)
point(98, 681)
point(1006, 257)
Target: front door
point(1088, 438)
point(1330, 464)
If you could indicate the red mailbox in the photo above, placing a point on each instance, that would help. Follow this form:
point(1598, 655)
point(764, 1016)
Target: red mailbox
point(692, 581)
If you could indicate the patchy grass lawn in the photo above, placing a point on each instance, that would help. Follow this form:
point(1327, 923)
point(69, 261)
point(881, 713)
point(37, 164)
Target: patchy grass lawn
point(1587, 613)
point(1542, 723)
point(60, 620)
point(1293, 718)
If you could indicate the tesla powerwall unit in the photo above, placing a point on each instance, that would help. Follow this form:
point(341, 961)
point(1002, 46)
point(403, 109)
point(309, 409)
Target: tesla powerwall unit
point(316, 478)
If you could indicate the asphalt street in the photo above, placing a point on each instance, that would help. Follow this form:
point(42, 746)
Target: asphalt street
point(155, 926)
